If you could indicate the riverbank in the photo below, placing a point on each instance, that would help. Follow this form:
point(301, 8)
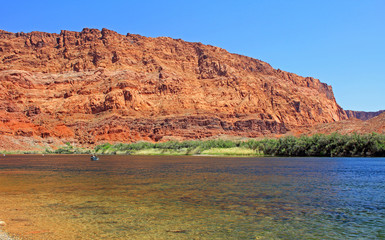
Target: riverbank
point(161, 152)
point(334, 145)
point(235, 151)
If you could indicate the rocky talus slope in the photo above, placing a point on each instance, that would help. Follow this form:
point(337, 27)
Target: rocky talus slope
point(97, 86)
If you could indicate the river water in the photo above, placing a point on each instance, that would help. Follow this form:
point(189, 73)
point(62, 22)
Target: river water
point(173, 197)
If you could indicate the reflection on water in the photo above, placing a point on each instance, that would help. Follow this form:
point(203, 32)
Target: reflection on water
point(140, 197)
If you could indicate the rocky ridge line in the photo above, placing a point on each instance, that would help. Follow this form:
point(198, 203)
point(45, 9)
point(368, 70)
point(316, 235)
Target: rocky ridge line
point(95, 86)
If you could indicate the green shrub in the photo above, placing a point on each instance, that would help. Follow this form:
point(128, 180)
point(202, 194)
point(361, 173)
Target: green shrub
point(319, 145)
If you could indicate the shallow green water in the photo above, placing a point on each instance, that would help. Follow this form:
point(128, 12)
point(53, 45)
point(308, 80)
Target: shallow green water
point(140, 197)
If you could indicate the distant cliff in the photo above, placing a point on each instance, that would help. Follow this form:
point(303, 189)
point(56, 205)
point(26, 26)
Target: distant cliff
point(98, 86)
point(353, 125)
point(362, 115)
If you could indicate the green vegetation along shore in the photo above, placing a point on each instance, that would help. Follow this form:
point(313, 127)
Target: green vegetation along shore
point(334, 145)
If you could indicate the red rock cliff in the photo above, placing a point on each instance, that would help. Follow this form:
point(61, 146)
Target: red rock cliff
point(95, 86)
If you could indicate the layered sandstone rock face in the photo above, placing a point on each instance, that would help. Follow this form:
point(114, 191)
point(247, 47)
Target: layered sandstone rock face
point(99, 86)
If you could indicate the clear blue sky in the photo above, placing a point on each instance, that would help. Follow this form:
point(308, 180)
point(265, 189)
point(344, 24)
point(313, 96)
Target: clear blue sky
point(340, 42)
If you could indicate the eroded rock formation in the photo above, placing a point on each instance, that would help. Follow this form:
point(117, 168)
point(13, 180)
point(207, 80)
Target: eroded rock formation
point(96, 86)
